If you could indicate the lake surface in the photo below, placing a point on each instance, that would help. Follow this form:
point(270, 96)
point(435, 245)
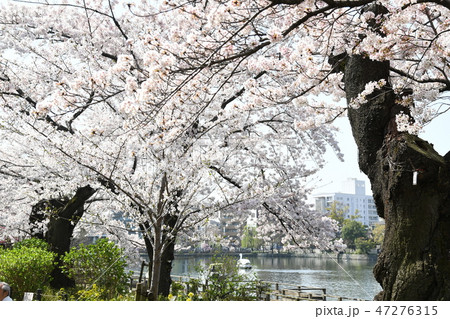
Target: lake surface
point(352, 279)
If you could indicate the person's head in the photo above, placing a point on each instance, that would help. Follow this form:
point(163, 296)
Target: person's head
point(5, 290)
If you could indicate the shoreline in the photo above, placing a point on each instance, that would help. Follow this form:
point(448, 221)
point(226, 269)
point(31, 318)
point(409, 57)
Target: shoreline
point(338, 256)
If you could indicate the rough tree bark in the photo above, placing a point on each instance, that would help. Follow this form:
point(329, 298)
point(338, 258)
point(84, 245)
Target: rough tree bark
point(415, 260)
point(62, 216)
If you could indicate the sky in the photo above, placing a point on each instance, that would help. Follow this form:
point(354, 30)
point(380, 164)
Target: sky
point(330, 178)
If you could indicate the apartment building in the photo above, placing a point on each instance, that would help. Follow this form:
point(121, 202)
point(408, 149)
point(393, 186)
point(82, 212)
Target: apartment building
point(352, 199)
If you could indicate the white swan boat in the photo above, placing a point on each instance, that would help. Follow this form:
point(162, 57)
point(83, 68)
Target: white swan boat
point(243, 263)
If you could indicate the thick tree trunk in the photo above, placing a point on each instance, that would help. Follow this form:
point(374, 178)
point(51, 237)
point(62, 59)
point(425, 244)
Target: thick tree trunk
point(415, 260)
point(156, 261)
point(62, 215)
point(414, 263)
point(167, 257)
point(161, 262)
point(165, 281)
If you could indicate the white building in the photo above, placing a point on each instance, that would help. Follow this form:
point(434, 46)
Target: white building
point(352, 200)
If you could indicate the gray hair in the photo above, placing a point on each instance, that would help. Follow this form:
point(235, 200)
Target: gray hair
point(5, 287)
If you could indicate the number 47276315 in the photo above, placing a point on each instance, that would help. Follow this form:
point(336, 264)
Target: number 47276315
point(407, 310)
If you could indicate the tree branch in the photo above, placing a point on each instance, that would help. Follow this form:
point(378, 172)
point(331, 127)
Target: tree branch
point(409, 76)
point(228, 179)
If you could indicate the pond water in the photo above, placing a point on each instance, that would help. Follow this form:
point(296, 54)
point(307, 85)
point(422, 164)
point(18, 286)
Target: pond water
point(346, 278)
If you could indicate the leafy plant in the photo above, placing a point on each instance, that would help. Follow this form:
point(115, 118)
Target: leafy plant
point(32, 242)
point(94, 293)
point(102, 264)
point(26, 267)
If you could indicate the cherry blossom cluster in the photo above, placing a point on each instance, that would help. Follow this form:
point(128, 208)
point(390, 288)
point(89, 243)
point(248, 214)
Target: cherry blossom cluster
point(162, 121)
point(369, 89)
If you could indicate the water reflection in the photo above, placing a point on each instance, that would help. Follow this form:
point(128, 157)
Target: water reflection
point(353, 278)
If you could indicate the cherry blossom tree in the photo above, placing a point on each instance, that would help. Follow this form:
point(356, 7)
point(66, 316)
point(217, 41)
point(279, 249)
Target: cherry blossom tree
point(116, 100)
point(124, 96)
point(389, 60)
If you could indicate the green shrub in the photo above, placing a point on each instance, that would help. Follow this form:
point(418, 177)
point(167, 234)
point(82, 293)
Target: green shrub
point(33, 242)
point(176, 288)
point(102, 264)
point(94, 293)
point(26, 267)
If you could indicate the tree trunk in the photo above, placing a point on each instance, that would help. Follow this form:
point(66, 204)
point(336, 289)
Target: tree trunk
point(167, 257)
point(165, 281)
point(63, 215)
point(156, 261)
point(163, 247)
point(415, 260)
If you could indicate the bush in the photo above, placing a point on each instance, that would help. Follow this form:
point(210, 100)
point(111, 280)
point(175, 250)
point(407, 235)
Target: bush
point(26, 267)
point(102, 264)
point(33, 242)
point(93, 294)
